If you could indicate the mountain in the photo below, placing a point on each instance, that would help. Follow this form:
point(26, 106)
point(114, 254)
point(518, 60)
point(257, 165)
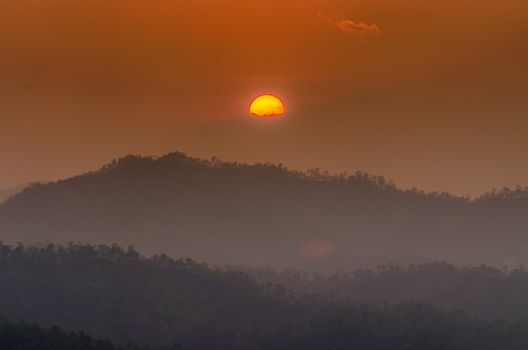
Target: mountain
point(180, 304)
point(265, 214)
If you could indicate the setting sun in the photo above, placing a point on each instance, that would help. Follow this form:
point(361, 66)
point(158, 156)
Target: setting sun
point(267, 106)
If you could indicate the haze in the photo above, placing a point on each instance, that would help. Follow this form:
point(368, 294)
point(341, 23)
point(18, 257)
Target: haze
point(255, 175)
point(428, 94)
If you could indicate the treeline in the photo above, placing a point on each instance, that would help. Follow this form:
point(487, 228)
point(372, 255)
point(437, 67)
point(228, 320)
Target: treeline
point(23, 336)
point(120, 294)
point(5, 194)
point(137, 162)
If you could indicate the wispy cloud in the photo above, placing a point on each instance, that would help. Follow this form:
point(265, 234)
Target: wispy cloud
point(360, 31)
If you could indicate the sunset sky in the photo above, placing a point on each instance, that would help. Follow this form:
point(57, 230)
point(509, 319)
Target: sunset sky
point(431, 94)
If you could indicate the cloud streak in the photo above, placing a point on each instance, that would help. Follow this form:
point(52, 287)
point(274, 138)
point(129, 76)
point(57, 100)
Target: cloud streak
point(362, 32)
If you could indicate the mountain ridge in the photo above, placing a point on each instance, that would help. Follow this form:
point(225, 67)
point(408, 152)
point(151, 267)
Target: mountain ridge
point(210, 210)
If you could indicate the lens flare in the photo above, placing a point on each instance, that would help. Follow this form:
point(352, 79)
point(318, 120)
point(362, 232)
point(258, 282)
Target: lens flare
point(267, 106)
point(315, 250)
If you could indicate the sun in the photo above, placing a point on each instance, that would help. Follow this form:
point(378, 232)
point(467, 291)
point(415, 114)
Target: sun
point(267, 106)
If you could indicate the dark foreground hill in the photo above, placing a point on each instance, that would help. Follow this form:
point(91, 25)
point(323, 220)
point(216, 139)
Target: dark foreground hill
point(109, 292)
point(264, 214)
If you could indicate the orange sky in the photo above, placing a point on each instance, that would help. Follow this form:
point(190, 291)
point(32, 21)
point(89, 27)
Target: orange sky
point(430, 94)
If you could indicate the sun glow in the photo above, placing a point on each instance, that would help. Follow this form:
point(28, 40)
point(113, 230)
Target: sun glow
point(267, 106)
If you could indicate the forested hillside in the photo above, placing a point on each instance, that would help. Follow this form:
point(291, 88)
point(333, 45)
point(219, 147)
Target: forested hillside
point(111, 292)
point(232, 213)
point(483, 291)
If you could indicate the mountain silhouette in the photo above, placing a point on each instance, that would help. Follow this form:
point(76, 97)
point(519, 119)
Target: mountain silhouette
point(264, 214)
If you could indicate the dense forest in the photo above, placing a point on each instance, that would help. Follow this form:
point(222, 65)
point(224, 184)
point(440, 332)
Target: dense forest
point(483, 291)
point(261, 214)
point(180, 304)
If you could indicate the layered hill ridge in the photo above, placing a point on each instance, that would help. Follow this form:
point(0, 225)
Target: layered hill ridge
point(264, 214)
point(110, 292)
